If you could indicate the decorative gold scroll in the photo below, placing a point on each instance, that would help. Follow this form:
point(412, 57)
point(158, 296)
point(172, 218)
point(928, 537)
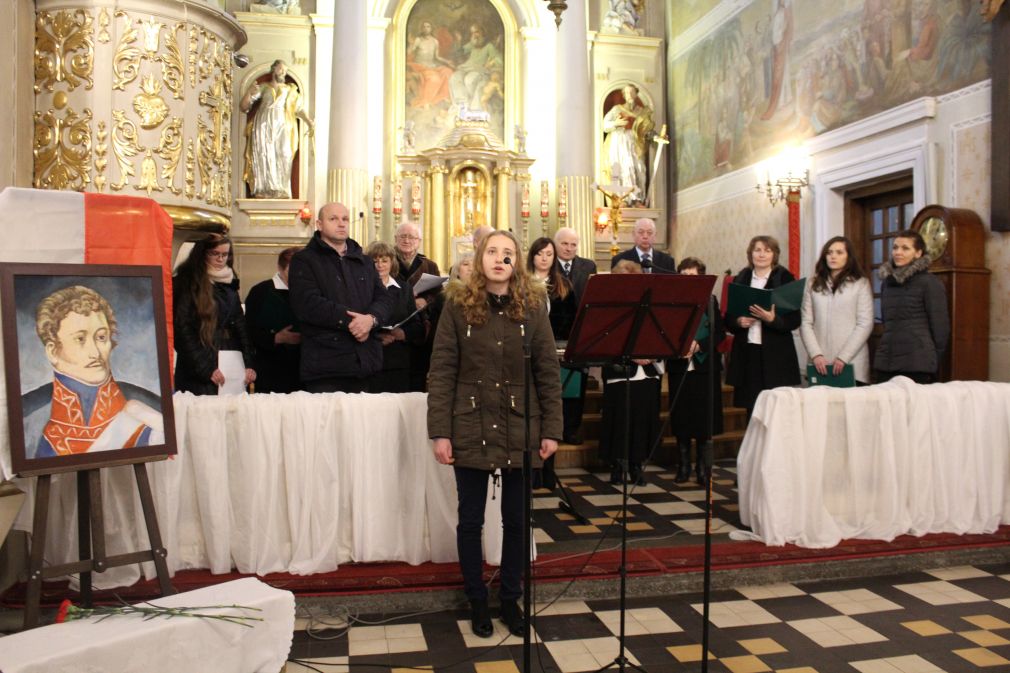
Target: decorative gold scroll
point(101, 150)
point(170, 150)
point(62, 149)
point(64, 49)
point(126, 61)
point(124, 147)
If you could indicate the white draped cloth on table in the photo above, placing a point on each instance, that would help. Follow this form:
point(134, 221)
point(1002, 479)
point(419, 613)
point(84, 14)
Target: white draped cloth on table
point(294, 483)
point(131, 643)
point(820, 465)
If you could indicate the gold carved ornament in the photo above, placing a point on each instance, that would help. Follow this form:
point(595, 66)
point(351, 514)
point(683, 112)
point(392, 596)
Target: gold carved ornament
point(149, 105)
point(172, 66)
point(190, 190)
point(64, 50)
point(62, 164)
point(101, 150)
point(126, 61)
point(124, 147)
point(148, 175)
point(103, 26)
point(170, 150)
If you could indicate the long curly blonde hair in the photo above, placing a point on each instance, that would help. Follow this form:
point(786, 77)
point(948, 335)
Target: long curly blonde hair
point(472, 296)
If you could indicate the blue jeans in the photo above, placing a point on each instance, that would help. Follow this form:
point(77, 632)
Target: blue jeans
point(471, 489)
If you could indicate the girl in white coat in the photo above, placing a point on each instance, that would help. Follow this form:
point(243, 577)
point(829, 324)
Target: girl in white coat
point(837, 316)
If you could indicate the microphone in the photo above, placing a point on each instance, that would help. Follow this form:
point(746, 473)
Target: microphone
point(507, 260)
point(647, 264)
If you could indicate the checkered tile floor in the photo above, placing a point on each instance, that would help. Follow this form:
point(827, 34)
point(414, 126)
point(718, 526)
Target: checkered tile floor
point(950, 620)
point(660, 508)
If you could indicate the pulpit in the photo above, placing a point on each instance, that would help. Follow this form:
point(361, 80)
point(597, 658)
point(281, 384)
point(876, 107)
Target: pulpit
point(469, 179)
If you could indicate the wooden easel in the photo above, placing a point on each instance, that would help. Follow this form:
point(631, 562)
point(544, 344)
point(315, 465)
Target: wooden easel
point(91, 538)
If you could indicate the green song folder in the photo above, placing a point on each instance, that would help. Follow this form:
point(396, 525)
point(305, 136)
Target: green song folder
point(787, 298)
point(847, 379)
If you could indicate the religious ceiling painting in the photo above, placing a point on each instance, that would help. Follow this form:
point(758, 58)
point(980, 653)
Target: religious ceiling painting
point(782, 70)
point(455, 62)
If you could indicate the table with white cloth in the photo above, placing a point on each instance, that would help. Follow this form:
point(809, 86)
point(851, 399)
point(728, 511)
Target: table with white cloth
point(820, 465)
point(131, 644)
point(295, 483)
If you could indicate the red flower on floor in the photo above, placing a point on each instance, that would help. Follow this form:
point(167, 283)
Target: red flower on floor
point(61, 615)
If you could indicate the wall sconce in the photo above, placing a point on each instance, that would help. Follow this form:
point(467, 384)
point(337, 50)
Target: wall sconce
point(781, 187)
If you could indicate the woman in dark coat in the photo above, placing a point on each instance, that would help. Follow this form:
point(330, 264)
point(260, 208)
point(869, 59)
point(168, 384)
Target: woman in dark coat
point(274, 332)
point(693, 413)
point(476, 409)
point(763, 355)
point(208, 318)
point(396, 342)
point(913, 304)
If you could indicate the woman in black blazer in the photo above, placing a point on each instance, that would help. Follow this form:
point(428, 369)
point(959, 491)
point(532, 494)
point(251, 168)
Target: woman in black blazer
point(763, 355)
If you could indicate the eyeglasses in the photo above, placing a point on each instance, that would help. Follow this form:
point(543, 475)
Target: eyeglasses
point(407, 237)
point(217, 255)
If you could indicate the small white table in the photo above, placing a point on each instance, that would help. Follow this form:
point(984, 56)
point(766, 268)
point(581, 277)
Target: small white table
point(129, 644)
point(820, 465)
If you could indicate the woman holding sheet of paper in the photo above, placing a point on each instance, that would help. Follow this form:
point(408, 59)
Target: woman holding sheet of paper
point(404, 328)
point(837, 316)
point(763, 355)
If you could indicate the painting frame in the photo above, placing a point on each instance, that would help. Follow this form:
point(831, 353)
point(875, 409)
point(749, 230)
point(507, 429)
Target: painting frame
point(122, 417)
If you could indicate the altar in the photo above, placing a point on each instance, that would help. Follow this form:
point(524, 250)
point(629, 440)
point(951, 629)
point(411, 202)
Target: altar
point(296, 483)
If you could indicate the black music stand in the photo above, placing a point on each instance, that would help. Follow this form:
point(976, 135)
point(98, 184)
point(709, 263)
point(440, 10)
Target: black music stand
point(628, 317)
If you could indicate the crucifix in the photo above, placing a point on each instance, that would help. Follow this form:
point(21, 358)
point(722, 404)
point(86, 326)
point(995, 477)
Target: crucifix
point(213, 100)
point(469, 190)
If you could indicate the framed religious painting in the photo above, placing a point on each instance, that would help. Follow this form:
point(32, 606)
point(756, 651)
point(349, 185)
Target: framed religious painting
point(86, 364)
point(456, 63)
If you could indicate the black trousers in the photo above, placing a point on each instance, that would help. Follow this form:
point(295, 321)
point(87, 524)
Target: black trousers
point(471, 489)
point(918, 377)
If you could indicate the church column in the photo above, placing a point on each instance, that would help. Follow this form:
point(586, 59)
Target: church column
point(502, 173)
point(347, 175)
point(439, 241)
point(574, 123)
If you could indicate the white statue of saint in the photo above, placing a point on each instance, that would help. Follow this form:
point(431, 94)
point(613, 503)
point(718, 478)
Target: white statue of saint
point(272, 134)
point(625, 149)
point(623, 17)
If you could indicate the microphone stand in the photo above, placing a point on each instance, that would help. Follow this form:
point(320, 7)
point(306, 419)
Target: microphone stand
point(706, 460)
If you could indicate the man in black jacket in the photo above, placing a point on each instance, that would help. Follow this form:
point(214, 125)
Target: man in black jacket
point(577, 270)
point(652, 260)
point(338, 300)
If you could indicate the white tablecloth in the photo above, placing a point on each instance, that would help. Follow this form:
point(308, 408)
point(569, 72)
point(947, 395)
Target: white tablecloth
point(820, 465)
point(128, 644)
point(281, 483)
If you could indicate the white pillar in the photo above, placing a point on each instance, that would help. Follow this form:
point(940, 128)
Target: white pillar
point(574, 116)
point(347, 174)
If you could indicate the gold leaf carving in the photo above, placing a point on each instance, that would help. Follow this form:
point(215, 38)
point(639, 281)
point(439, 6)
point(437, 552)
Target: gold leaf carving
point(204, 161)
point(148, 175)
point(170, 149)
point(126, 61)
point(190, 190)
point(124, 147)
point(171, 64)
point(103, 25)
point(101, 150)
point(149, 105)
point(64, 50)
point(62, 150)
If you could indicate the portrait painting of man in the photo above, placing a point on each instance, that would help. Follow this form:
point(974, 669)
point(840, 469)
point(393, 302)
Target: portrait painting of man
point(89, 374)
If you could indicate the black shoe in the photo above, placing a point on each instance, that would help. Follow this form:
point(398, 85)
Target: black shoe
point(512, 617)
point(683, 472)
point(701, 475)
point(638, 479)
point(616, 475)
point(480, 619)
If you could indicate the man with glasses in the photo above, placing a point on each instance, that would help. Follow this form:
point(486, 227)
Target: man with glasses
point(412, 266)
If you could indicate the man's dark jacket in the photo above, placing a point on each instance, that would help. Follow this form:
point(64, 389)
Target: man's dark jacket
point(324, 287)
